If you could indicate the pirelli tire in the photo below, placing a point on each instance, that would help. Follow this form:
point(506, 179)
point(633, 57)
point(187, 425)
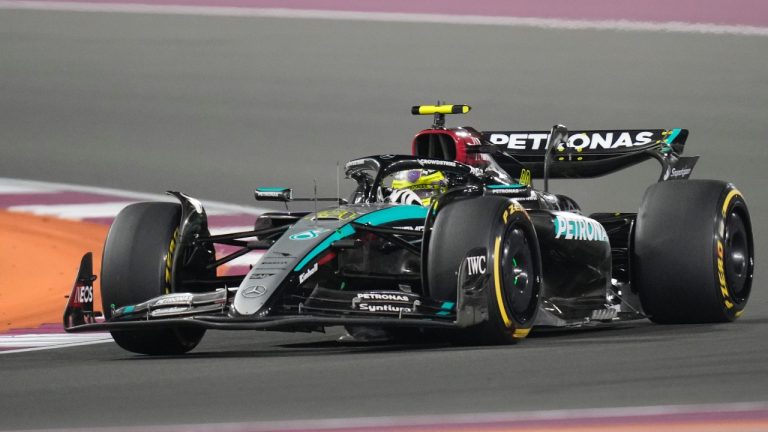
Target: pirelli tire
point(693, 256)
point(510, 266)
point(136, 267)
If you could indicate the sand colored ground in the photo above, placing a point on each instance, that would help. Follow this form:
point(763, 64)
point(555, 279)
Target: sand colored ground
point(39, 258)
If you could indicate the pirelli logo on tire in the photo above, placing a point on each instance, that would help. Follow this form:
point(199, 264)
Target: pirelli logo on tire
point(513, 208)
point(721, 276)
point(720, 249)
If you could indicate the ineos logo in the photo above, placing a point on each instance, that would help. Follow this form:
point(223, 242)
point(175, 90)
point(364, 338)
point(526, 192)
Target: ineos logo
point(85, 294)
point(254, 291)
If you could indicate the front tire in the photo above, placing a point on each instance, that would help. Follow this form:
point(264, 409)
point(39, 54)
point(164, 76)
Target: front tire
point(693, 252)
point(513, 264)
point(136, 266)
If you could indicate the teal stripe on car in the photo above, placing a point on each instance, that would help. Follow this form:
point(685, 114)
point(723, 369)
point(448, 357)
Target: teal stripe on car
point(270, 189)
point(379, 217)
point(447, 308)
point(392, 214)
point(507, 186)
point(671, 137)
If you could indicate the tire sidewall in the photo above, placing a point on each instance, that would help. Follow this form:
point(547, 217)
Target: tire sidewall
point(501, 313)
point(462, 228)
point(138, 254)
point(137, 265)
point(678, 257)
point(731, 201)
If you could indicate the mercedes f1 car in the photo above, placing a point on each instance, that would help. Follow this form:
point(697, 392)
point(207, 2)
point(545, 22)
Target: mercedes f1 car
point(475, 253)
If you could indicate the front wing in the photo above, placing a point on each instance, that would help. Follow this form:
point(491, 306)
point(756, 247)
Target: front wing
point(210, 310)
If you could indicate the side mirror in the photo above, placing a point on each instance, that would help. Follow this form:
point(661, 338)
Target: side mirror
point(273, 194)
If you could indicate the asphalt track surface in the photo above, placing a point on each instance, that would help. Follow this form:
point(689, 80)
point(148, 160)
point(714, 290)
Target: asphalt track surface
point(216, 106)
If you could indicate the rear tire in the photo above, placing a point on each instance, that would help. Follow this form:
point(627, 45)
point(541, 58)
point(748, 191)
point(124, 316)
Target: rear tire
point(136, 267)
point(513, 264)
point(693, 252)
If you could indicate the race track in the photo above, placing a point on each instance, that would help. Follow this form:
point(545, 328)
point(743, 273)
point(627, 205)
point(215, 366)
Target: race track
point(215, 106)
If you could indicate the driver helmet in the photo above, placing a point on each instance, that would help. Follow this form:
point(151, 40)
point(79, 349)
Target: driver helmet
point(425, 184)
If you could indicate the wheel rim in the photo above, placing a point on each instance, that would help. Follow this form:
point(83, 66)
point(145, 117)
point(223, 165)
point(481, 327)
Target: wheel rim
point(518, 275)
point(738, 257)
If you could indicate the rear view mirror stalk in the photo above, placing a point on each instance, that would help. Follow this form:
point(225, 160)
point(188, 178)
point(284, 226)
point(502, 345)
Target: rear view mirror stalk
point(558, 135)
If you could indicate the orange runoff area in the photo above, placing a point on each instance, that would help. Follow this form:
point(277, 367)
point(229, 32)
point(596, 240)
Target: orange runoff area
point(39, 258)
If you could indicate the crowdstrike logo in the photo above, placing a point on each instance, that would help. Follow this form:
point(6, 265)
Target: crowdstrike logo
point(437, 162)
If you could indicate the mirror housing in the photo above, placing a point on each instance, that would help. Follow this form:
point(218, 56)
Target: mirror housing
point(273, 194)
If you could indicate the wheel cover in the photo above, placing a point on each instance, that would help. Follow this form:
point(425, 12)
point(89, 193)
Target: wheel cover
point(738, 257)
point(518, 272)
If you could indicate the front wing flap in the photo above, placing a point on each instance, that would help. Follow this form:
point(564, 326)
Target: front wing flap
point(211, 310)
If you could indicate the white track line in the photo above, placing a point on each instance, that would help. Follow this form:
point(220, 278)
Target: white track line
point(216, 230)
point(44, 339)
point(25, 342)
point(83, 211)
point(211, 207)
point(73, 211)
point(548, 23)
point(246, 260)
point(39, 342)
point(18, 189)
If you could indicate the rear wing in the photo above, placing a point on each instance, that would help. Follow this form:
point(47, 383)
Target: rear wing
point(586, 154)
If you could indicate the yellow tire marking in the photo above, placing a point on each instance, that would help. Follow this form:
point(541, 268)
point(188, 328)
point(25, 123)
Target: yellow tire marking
point(728, 198)
point(497, 283)
point(720, 270)
point(169, 261)
point(521, 333)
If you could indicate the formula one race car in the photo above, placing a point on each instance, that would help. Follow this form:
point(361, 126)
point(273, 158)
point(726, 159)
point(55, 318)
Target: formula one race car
point(452, 241)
